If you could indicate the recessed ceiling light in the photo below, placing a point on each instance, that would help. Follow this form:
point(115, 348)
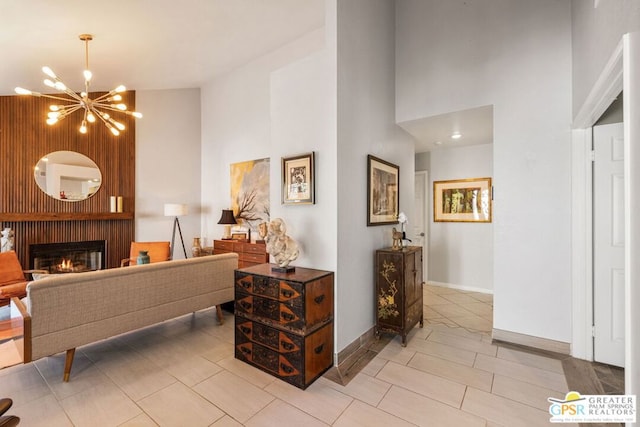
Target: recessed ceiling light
point(438, 142)
point(456, 135)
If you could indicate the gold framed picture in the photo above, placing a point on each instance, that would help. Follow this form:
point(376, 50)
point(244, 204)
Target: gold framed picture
point(298, 181)
point(462, 200)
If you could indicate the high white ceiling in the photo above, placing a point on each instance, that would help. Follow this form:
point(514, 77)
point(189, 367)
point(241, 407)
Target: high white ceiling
point(173, 44)
point(475, 126)
point(143, 44)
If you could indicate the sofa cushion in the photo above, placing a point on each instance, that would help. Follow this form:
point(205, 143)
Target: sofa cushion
point(10, 269)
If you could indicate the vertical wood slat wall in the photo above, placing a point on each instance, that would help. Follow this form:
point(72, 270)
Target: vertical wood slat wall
point(25, 138)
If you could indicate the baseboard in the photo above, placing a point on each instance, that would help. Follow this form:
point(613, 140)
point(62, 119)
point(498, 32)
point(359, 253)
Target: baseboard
point(460, 287)
point(531, 341)
point(354, 346)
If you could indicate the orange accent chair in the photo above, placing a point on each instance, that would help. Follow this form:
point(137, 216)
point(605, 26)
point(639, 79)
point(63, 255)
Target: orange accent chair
point(13, 279)
point(158, 251)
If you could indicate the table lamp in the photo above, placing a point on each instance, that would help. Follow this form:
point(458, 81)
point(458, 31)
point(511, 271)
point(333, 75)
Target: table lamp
point(175, 210)
point(227, 219)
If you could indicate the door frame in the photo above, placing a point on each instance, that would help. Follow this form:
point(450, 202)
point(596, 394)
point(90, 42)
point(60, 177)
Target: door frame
point(604, 92)
point(427, 216)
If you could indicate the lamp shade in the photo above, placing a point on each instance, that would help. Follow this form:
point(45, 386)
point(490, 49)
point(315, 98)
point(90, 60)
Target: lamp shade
point(175, 209)
point(227, 217)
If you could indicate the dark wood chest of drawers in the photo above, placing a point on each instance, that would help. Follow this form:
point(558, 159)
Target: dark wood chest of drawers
point(284, 322)
point(398, 290)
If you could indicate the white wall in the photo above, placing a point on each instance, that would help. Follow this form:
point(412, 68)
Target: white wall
point(461, 254)
point(302, 104)
point(236, 127)
point(366, 125)
point(595, 34)
point(516, 56)
point(168, 164)
point(423, 161)
point(285, 104)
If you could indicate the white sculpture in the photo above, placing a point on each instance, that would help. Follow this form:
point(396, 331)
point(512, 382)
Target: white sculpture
point(6, 242)
point(283, 248)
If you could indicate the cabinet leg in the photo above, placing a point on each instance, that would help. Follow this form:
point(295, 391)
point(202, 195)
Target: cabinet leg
point(376, 333)
point(404, 340)
point(422, 321)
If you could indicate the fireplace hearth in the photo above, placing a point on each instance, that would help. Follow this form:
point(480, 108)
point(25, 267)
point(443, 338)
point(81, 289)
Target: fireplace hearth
point(68, 257)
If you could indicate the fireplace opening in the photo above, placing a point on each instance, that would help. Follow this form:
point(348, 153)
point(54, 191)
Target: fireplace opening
point(68, 257)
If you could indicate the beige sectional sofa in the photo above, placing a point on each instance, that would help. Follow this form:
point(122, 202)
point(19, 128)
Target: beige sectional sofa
point(66, 311)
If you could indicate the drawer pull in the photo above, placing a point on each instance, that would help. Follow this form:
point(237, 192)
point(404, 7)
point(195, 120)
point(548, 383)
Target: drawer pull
point(318, 349)
point(245, 329)
point(286, 345)
point(286, 293)
point(287, 316)
point(285, 368)
point(245, 284)
point(319, 299)
point(245, 305)
point(245, 350)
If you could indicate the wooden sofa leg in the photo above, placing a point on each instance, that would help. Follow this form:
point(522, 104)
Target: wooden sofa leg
point(219, 314)
point(67, 364)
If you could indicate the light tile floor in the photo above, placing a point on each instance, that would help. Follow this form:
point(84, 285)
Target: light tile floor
point(183, 373)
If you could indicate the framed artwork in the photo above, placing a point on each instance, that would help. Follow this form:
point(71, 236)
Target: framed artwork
point(241, 232)
point(298, 181)
point(250, 192)
point(239, 236)
point(462, 200)
point(383, 192)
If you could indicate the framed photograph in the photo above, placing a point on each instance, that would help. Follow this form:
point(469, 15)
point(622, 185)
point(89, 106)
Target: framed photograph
point(298, 181)
point(383, 192)
point(462, 200)
point(238, 236)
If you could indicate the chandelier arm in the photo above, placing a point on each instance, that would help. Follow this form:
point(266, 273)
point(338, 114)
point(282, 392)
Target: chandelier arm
point(109, 126)
point(73, 94)
point(69, 106)
point(66, 89)
point(101, 97)
point(99, 114)
point(71, 110)
point(106, 95)
point(51, 96)
point(109, 107)
point(66, 113)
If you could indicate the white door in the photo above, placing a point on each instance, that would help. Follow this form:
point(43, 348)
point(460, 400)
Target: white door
point(418, 223)
point(608, 244)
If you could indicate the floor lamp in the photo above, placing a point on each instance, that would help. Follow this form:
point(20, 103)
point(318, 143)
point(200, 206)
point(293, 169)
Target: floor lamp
point(175, 210)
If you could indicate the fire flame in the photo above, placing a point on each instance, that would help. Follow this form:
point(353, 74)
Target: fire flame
point(66, 264)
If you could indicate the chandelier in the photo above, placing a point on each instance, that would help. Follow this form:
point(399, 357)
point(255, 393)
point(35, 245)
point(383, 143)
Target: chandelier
point(93, 108)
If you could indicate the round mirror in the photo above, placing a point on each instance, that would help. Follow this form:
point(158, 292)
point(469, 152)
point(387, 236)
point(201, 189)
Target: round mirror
point(68, 176)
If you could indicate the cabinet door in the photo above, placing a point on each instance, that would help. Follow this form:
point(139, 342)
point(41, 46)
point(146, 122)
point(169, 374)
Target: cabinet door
point(390, 289)
point(413, 277)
